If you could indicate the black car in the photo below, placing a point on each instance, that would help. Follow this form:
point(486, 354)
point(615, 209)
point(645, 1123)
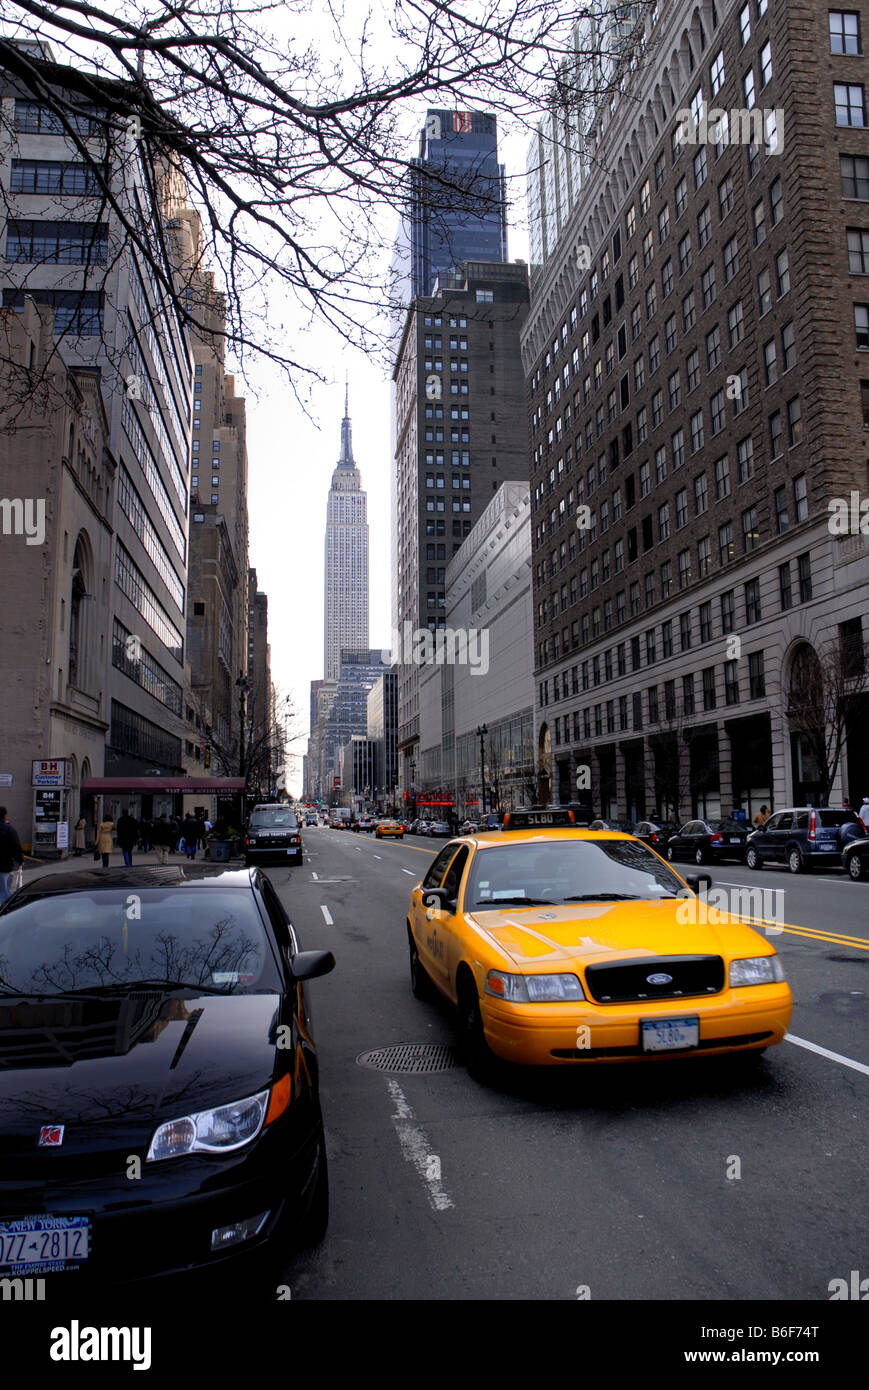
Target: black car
point(656, 834)
point(273, 833)
point(804, 836)
point(709, 841)
point(159, 1106)
point(855, 859)
point(624, 827)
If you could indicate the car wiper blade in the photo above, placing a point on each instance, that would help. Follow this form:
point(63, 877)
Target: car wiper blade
point(603, 898)
point(131, 986)
point(516, 902)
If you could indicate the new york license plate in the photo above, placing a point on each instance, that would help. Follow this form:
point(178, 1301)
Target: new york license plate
point(43, 1242)
point(669, 1034)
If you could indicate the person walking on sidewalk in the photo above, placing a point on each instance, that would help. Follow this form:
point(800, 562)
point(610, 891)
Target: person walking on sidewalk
point(162, 839)
point(78, 837)
point(128, 836)
point(11, 855)
point(104, 840)
point(190, 832)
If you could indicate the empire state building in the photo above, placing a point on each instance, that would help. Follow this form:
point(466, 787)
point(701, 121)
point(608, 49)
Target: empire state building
point(346, 606)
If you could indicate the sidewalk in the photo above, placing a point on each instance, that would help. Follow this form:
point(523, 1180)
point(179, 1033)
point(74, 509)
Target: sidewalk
point(85, 860)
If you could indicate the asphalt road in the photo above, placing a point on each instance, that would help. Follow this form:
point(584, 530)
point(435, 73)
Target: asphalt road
point(687, 1180)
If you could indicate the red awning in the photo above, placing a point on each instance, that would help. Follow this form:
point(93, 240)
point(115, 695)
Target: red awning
point(229, 786)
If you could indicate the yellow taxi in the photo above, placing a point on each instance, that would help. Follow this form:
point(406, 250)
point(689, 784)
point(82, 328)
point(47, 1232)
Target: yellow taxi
point(385, 828)
point(561, 946)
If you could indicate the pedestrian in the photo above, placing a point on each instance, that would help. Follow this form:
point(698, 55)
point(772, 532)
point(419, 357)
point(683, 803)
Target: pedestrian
point(761, 818)
point(863, 813)
point(78, 837)
point(175, 832)
point(161, 836)
point(145, 829)
point(104, 840)
point(11, 855)
point(190, 831)
point(128, 835)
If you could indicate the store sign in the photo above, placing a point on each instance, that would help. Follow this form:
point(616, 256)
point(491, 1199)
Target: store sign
point(49, 772)
point(63, 834)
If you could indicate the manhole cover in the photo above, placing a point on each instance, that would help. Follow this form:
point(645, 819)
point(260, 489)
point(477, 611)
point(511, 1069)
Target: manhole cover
point(410, 1057)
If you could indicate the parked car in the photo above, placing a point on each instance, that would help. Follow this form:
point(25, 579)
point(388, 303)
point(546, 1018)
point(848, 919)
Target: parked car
point(440, 829)
point(709, 841)
point(855, 859)
point(624, 827)
point(181, 1066)
point(804, 836)
point(655, 834)
point(468, 827)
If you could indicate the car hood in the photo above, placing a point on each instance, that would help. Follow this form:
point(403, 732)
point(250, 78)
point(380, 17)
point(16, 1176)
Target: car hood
point(127, 1063)
point(554, 938)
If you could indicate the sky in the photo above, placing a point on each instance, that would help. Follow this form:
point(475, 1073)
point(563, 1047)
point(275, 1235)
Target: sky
point(291, 457)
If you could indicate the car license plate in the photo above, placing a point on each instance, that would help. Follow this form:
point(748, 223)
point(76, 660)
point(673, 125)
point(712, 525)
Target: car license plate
point(670, 1034)
point(43, 1242)
point(734, 839)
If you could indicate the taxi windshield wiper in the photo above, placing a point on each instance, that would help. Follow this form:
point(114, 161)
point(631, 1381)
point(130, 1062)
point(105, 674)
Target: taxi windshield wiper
point(516, 902)
point(603, 898)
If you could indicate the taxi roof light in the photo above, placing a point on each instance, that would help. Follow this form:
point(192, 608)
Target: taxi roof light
point(528, 820)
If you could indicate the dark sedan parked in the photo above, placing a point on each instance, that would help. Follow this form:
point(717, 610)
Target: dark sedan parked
point(655, 834)
point(709, 841)
point(855, 859)
point(159, 1107)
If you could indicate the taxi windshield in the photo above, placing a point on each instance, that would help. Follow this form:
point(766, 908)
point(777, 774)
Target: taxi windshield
point(568, 871)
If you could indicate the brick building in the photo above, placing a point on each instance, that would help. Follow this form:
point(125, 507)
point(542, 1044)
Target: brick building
point(697, 360)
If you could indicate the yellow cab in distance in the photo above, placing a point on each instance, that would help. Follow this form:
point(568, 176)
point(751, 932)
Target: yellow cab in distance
point(561, 946)
point(389, 827)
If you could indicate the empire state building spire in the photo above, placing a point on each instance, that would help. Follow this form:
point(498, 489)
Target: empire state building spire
point(346, 589)
point(346, 460)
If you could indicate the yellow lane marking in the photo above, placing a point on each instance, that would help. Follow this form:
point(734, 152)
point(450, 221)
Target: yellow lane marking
point(836, 938)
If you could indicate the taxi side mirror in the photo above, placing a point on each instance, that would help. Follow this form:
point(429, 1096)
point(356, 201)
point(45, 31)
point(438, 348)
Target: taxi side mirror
point(437, 900)
point(700, 883)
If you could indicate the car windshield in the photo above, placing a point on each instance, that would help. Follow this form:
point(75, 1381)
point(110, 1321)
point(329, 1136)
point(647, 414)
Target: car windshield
point(261, 820)
point(568, 871)
point(200, 937)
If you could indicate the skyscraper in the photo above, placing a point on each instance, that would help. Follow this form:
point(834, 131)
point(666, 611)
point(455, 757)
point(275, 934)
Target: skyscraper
point(346, 592)
point(458, 206)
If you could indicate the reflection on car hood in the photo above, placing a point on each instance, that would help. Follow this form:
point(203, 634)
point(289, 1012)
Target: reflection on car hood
point(131, 1062)
point(580, 934)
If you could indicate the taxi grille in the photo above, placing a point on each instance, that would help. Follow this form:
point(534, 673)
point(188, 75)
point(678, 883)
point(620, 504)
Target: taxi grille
point(624, 981)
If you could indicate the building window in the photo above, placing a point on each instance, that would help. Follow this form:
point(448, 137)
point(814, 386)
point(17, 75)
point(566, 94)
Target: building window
point(684, 562)
point(850, 104)
point(861, 324)
point(688, 694)
point(697, 434)
point(704, 557)
point(752, 601)
point(731, 260)
point(722, 478)
point(709, 688)
point(731, 682)
point(728, 612)
point(804, 577)
point(692, 369)
point(784, 587)
point(775, 434)
point(725, 196)
point(789, 346)
point(801, 501)
point(681, 197)
point(735, 324)
point(854, 173)
point(756, 676)
point(685, 631)
point(750, 533)
point(844, 32)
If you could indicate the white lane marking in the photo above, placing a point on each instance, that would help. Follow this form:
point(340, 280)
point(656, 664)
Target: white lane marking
point(378, 856)
point(825, 1052)
point(416, 1148)
point(327, 916)
point(313, 875)
point(726, 884)
point(409, 871)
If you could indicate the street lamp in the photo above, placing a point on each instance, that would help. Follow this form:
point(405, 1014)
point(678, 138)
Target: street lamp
point(481, 731)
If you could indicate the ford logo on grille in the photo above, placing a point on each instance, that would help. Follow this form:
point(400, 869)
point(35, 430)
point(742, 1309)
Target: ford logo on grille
point(659, 979)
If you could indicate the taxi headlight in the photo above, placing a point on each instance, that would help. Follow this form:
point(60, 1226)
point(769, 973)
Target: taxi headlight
point(533, 989)
point(220, 1130)
point(756, 970)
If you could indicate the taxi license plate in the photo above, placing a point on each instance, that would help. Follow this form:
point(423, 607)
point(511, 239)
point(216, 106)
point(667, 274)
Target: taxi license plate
point(670, 1034)
point(44, 1242)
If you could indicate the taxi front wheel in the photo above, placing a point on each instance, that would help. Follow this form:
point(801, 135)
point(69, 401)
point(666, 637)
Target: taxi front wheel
point(419, 981)
point(480, 1062)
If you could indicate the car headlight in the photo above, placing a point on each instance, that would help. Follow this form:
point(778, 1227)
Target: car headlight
point(251, 840)
point(220, 1130)
point(756, 970)
point(533, 989)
